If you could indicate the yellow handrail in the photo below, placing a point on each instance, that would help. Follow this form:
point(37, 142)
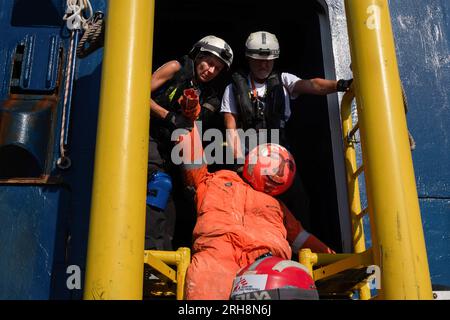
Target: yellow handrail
point(180, 258)
point(352, 173)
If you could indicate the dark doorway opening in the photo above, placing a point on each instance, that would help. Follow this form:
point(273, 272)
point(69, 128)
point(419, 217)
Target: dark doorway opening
point(299, 27)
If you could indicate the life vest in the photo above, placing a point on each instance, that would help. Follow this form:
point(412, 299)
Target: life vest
point(252, 114)
point(167, 96)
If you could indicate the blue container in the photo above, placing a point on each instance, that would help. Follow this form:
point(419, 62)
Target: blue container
point(158, 190)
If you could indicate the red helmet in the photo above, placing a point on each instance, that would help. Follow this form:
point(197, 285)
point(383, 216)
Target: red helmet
point(269, 168)
point(275, 279)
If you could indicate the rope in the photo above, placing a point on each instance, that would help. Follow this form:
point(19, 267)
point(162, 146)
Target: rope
point(75, 21)
point(93, 36)
point(62, 161)
point(74, 14)
point(412, 142)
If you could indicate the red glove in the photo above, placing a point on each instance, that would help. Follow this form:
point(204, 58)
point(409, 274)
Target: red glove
point(190, 105)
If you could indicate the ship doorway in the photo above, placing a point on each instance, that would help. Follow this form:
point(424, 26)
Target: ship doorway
point(302, 28)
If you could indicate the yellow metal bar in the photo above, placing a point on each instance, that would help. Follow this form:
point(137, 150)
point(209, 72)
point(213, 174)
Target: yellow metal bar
point(160, 266)
point(117, 225)
point(183, 264)
point(363, 213)
point(355, 128)
point(352, 178)
point(358, 171)
point(334, 264)
point(308, 259)
point(397, 236)
point(181, 258)
point(354, 199)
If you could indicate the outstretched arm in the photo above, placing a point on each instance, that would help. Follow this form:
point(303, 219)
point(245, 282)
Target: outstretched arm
point(315, 86)
point(319, 86)
point(188, 152)
point(298, 237)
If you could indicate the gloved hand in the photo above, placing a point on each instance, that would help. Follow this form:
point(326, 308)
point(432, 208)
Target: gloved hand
point(343, 85)
point(179, 121)
point(190, 104)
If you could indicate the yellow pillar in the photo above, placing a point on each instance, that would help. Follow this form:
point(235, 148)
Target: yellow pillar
point(398, 241)
point(117, 226)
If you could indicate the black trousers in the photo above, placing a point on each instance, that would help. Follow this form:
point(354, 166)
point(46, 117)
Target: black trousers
point(173, 227)
point(160, 225)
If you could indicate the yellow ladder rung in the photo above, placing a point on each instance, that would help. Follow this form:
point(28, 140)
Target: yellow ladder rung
point(181, 258)
point(362, 213)
point(349, 261)
point(351, 134)
point(358, 172)
point(160, 266)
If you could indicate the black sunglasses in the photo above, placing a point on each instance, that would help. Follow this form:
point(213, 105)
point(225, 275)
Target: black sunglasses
point(224, 53)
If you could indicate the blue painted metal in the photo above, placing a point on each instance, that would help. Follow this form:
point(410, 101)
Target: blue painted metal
point(24, 129)
point(29, 237)
point(422, 33)
point(43, 227)
point(40, 63)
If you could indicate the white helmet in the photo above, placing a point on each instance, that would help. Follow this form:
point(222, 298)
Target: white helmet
point(262, 45)
point(216, 46)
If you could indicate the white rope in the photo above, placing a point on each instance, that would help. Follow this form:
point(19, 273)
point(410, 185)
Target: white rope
point(75, 21)
point(74, 14)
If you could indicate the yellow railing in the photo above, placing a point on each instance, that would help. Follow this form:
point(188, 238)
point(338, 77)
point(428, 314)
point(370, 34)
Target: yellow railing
point(160, 261)
point(398, 246)
point(330, 265)
point(352, 174)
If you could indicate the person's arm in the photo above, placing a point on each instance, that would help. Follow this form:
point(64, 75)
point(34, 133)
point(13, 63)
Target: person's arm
point(298, 237)
point(233, 141)
point(315, 86)
point(319, 86)
point(229, 110)
point(189, 149)
point(159, 77)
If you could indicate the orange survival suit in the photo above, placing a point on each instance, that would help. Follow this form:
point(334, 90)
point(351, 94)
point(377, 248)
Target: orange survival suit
point(235, 225)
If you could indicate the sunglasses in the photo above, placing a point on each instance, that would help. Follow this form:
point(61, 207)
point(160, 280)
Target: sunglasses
point(223, 52)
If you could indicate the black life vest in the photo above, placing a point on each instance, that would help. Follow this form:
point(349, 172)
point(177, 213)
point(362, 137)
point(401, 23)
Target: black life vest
point(167, 96)
point(251, 114)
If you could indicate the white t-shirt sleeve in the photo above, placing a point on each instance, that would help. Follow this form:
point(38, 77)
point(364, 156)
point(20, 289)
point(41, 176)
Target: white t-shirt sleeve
point(289, 81)
point(228, 101)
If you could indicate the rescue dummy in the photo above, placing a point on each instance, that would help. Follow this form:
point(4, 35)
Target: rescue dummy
point(238, 218)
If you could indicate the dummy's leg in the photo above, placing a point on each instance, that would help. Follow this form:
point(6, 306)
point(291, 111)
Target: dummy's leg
point(212, 271)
